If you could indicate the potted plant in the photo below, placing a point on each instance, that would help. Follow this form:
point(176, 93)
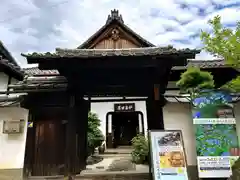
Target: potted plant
point(101, 149)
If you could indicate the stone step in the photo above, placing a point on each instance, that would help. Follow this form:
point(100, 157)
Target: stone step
point(118, 151)
point(124, 147)
point(127, 175)
point(114, 155)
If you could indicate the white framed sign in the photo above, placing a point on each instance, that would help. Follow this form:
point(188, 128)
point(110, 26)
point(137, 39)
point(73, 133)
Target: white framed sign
point(168, 159)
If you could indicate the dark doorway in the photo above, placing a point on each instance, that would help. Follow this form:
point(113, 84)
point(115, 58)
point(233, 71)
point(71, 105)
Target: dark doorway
point(125, 126)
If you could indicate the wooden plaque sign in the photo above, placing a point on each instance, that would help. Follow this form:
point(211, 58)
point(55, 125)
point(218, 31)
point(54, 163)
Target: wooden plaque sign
point(124, 107)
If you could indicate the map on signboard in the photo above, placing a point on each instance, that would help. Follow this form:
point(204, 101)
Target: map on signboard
point(217, 137)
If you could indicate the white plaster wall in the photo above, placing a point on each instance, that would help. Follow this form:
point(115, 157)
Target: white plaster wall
point(3, 81)
point(102, 108)
point(12, 146)
point(13, 81)
point(177, 116)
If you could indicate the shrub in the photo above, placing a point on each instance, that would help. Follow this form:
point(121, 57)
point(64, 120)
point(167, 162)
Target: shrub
point(94, 134)
point(194, 79)
point(140, 149)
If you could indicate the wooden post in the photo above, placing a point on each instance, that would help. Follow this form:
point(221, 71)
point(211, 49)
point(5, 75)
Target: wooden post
point(70, 153)
point(154, 103)
point(76, 136)
point(83, 109)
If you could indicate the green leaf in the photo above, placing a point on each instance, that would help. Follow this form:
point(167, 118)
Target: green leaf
point(94, 134)
point(225, 43)
point(232, 86)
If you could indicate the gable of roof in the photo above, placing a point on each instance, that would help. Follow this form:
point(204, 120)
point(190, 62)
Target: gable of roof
point(114, 19)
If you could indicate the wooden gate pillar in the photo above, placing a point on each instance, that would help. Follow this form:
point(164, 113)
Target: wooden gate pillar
point(76, 135)
point(154, 104)
point(70, 149)
point(83, 108)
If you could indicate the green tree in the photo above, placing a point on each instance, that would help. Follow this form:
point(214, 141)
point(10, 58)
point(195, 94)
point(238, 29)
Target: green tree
point(224, 43)
point(94, 134)
point(193, 80)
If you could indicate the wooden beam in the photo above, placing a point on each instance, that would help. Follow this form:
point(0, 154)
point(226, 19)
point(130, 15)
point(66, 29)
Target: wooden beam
point(120, 100)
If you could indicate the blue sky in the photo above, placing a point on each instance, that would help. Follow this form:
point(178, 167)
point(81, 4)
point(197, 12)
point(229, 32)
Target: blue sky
point(43, 25)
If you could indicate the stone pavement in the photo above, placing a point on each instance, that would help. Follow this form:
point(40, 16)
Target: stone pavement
point(116, 165)
point(115, 160)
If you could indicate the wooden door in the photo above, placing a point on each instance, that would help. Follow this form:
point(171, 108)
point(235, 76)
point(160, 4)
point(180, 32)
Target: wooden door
point(49, 148)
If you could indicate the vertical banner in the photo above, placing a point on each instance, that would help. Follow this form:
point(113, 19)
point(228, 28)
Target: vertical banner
point(167, 155)
point(215, 132)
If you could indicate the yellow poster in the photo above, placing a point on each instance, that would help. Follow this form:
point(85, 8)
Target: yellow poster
point(172, 159)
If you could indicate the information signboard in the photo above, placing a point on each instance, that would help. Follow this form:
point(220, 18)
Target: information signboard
point(215, 133)
point(168, 160)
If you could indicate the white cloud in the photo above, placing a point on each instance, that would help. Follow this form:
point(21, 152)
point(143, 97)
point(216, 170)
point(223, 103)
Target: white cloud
point(229, 15)
point(202, 4)
point(33, 25)
point(205, 56)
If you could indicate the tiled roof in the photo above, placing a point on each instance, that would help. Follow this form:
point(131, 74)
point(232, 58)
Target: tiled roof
point(40, 83)
point(35, 71)
point(217, 63)
point(9, 63)
point(9, 101)
point(40, 86)
point(203, 64)
point(12, 67)
point(7, 55)
point(88, 53)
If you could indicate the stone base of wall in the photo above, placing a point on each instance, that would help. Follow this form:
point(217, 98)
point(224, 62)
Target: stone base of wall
point(11, 174)
point(125, 175)
point(128, 175)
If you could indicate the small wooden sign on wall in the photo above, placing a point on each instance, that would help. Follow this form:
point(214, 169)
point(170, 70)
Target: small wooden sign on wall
point(13, 127)
point(124, 107)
